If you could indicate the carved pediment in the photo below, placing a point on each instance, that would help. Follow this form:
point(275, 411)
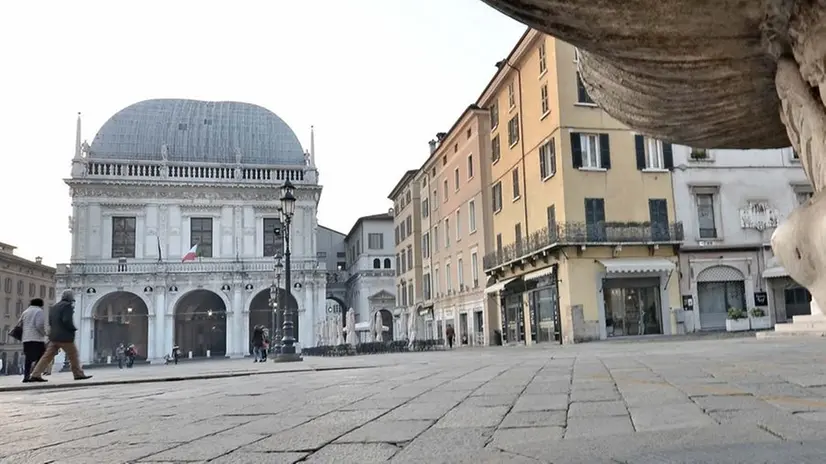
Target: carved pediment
point(382, 295)
point(759, 215)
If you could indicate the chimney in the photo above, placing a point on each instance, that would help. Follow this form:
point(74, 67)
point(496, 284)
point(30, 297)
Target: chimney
point(433, 144)
point(38, 260)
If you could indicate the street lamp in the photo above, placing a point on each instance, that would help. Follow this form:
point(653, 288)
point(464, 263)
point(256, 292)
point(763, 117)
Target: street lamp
point(287, 353)
point(276, 306)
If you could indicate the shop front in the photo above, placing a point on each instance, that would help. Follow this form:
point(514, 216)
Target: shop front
point(786, 297)
point(635, 296)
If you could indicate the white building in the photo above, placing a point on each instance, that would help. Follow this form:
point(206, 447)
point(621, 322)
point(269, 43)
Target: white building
point(729, 202)
point(370, 287)
point(161, 176)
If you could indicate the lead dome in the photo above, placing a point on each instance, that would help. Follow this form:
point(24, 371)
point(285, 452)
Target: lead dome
point(196, 132)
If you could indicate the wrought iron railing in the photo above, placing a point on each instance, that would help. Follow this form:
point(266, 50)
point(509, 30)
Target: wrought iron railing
point(580, 233)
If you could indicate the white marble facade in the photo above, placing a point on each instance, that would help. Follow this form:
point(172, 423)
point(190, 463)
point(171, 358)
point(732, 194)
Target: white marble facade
point(165, 165)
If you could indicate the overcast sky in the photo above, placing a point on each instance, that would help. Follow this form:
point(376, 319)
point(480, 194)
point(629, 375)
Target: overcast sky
point(377, 78)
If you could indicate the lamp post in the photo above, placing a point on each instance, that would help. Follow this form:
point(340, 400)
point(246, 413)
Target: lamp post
point(287, 353)
point(275, 304)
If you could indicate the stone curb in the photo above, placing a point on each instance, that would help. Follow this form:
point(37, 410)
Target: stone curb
point(178, 378)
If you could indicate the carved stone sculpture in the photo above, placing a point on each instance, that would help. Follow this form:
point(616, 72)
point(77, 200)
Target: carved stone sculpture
point(725, 74)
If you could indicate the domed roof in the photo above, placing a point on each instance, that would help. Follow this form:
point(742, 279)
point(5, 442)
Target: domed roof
point(197, 131)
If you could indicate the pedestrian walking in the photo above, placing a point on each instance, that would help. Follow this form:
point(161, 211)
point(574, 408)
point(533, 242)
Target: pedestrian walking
point(33, 321)
point(450, 334)
point(61, 337)
point(257, 342)
point(120, 354)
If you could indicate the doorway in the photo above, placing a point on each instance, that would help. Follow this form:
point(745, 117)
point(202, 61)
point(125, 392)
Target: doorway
point(715, 299)
point(632, 307)
point(464, 338)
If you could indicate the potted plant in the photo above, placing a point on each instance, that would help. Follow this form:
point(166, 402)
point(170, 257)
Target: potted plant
point(759, 319)
point(699, 154)
point(737, 320)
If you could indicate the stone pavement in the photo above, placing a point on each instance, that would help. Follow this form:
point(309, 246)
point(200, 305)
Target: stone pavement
point(721, 401)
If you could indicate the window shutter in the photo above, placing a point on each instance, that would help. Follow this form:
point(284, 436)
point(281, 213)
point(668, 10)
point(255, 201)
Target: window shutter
point(639, 143)
point(543, 167)
point(576, 150)
point(668, 156)
point(605, 151)
point(553, 156)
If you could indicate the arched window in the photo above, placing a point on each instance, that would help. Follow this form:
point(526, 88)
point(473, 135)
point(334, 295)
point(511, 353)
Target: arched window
point(387, 263)
point(377, 263)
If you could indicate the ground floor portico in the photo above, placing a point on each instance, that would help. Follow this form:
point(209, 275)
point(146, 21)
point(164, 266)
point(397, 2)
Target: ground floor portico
point(211, 319)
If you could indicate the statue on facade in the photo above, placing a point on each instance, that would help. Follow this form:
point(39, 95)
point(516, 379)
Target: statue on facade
point(165, 153)
point(728, 74)
point(237, 156)
point(411, 329)
point(85, 149)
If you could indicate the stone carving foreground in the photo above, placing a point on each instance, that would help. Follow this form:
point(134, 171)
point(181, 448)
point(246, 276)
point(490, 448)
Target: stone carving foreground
point(724, 74)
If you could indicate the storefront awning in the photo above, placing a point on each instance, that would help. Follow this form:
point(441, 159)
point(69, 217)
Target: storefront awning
point(533, 275)
point(775, 272)
point(631, 265)
point(498, 286)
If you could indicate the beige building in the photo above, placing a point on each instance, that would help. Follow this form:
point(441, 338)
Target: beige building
point(407, 238)
point(454, 183)
point(22, 280)
point(584, 243)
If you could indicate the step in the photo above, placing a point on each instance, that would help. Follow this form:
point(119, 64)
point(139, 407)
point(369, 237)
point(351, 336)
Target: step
point(791, 334)
point(800, 327)
point(809, 318)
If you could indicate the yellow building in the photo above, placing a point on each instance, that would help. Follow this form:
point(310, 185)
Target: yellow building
point(584, 243)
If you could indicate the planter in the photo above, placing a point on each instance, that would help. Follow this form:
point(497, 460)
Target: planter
point(761, 323)
point(737, 325)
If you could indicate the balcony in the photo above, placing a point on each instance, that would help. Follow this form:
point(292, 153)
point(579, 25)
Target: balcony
point(580, 233)
point(204, 265)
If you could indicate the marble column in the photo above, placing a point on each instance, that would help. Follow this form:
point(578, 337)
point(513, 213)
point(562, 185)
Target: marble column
point(158, 339)
point(238, 326)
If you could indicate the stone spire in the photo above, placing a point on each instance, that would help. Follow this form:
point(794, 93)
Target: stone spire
point(312, 146)
point(78, 140)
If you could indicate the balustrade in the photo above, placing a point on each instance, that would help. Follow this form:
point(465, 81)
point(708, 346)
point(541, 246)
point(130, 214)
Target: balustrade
point(208, 265)
point(153, 170)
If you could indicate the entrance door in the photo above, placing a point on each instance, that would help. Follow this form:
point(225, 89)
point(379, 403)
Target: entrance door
point(479, 327)
point(714, 300)
point(464, 338)
point(546, 314)
point(658, 213)
point(798, 302)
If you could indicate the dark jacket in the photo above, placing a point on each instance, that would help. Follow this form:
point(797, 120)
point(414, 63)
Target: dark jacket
point(61, 324)
point(258, 337)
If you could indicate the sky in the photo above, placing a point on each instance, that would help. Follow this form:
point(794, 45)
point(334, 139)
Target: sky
point(377, 78)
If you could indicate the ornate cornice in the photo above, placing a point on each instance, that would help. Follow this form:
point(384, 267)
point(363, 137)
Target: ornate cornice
point(186, 191)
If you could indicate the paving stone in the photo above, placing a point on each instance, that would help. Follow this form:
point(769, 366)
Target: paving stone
point(444, 445)
point(581, 395)
point(541, 403)
point(121, 453)
point(384, 431)
point(207, 448)
point(420, 411)
point(534, 419)
point(491, 400)
point(673, 416)
point(598, 426)
point(361, 453)
point(597, 408)
point(730, 403)
point(652, 397)
point(512, 439)
point(464, 417)
point(259, 458)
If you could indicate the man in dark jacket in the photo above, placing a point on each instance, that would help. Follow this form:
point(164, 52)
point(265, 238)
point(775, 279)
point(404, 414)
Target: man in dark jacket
point(257, 342)
point(61, 337)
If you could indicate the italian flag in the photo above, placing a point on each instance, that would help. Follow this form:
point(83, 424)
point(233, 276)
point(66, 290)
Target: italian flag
point(191, 254)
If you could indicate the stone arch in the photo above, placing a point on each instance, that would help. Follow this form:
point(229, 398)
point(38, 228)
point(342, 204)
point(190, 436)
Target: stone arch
point(387, 321)
point(260, 312)
point(720, 273)
point(119, 317)
point(201, 323)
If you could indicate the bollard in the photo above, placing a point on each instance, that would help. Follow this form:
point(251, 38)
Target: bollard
point(108, 360)
point(208, 352)
point(190, 355)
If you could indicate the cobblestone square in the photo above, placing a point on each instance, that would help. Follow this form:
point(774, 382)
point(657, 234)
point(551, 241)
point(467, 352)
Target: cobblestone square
point(634, 401)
